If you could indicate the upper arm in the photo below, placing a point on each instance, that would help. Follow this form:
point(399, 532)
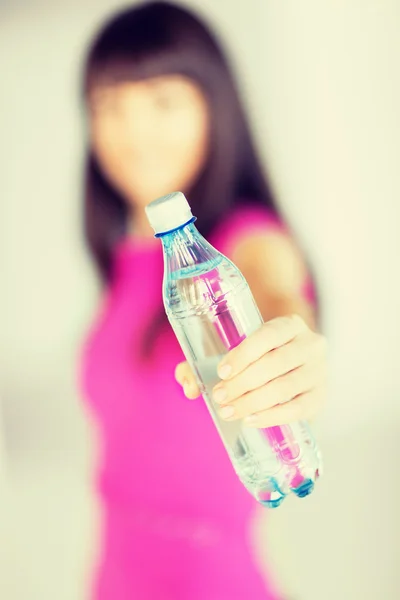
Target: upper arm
point(276, 273)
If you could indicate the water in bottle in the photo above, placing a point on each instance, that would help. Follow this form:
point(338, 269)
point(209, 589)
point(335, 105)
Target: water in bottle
point(211, 310)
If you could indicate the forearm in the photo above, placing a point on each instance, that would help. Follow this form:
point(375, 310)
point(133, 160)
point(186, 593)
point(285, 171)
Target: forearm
point(279, 306)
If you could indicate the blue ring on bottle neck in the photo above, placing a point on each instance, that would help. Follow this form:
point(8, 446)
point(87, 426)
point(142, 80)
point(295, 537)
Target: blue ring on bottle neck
point(158, 235)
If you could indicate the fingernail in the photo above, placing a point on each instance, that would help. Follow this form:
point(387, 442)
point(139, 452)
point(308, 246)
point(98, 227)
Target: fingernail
point(224, 371)
point(251, 420)
point(220, 395)
point(227, 412)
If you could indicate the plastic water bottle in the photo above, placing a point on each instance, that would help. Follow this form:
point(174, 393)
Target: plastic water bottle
point(211, 310)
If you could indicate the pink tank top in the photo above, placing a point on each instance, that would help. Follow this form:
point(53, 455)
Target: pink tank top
point(165, 480)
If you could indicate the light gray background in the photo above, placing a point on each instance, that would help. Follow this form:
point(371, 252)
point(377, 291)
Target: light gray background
point(321, 81)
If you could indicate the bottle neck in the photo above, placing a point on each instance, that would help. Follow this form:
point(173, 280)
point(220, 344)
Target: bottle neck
point(185, 247)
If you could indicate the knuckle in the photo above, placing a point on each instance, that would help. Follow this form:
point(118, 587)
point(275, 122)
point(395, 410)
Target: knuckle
point(295, 318)
point(259, 372)
point(269, 397)
point(277, 392)
point(296, 322)
point(237, 386)
point(292, 324)
point(296, 353)
point(240, 406)
point(275, 324)
point(290, 385)
point(274, 361)
point(245, 356)
point(258, 401)
point(293, 355)
point(285, 322)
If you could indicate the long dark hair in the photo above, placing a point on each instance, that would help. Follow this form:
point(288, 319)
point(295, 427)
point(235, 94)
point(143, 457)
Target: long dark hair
point(158, 38)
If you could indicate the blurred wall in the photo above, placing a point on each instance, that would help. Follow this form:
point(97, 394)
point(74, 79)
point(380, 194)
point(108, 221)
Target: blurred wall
point(321, 81)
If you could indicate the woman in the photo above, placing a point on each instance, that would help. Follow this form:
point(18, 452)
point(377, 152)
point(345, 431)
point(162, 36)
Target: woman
point(163, 115)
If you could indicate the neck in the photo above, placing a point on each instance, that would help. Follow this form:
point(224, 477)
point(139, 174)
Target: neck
point(139, 225)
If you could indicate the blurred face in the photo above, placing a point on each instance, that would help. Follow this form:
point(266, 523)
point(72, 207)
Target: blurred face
point(149, 137)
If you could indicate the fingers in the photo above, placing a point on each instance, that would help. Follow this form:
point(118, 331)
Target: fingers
point(276, 376)
point(185, 377)
point(302, 408)
point(271, 335)
point(277, 392)
point(304, 348)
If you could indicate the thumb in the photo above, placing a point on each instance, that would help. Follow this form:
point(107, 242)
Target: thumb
point(185, 377)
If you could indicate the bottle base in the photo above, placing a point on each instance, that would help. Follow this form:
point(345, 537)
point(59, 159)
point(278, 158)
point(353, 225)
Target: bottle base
point(272, 503)
point(270, 496)
point(305, 489)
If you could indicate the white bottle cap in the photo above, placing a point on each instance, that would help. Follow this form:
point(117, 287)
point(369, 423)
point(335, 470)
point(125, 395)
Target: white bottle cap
point(168, 212)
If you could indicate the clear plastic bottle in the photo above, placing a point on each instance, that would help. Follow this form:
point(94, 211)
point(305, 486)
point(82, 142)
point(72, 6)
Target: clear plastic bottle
point(211, 310)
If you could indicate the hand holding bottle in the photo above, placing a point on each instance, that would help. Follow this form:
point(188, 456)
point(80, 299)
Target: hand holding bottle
point(275, 376)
